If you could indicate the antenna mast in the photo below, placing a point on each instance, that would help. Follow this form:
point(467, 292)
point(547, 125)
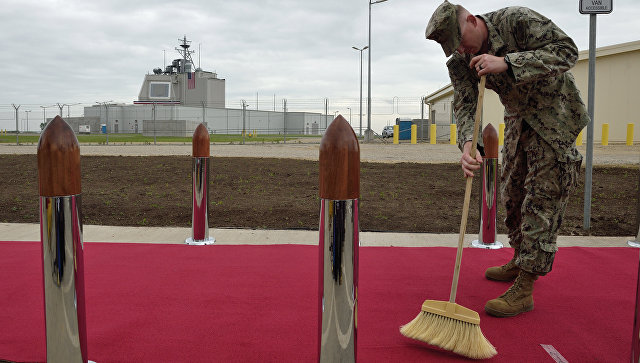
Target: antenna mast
point(185, 52)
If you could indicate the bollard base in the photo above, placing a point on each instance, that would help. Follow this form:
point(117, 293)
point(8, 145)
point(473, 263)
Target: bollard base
point(202, 242)
point(635, 244)
point(488, 246)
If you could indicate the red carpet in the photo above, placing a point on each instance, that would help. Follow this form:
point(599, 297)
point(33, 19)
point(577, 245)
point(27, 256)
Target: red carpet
point(176, 303)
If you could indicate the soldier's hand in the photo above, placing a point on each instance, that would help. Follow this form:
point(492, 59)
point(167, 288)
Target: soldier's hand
point(468, 163)
point(486, 64)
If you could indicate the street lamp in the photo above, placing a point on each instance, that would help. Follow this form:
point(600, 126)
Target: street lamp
point(61, 106)
point(349, 108)
point(360, 50)
point(368, 132)
point(44, 115)
point(68, 111)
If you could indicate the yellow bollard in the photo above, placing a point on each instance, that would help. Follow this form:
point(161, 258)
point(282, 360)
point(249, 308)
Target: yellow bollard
point(605, 134)
point(579, 138)
point(454, 133)
point(396, 134)
point(414, 134)
point(629, 134)
point(501, 134)
point(432, 134)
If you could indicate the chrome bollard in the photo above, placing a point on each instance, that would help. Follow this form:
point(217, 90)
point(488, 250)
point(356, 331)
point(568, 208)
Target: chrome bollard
point(636, 242)
point(635, 338)
point(200, 184)
point(339, 243)
point(62, 247)
point(488, 235)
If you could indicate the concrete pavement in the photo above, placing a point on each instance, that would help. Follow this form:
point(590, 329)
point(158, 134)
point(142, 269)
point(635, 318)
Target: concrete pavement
point(227, 236)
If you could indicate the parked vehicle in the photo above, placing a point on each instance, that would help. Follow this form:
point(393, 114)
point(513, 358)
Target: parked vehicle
point(387, 131)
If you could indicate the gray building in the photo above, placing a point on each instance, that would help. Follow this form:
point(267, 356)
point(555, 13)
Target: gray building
point(174, 101)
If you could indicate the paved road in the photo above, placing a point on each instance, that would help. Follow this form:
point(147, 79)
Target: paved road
point(377, 152)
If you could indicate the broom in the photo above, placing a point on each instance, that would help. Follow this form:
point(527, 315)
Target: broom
point(444, 323)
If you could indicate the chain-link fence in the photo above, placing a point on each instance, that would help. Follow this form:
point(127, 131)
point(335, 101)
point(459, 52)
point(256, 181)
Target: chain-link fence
point(267, 119)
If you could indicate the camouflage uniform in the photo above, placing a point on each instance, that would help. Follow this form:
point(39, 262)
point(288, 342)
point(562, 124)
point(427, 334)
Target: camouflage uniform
point(543, 116)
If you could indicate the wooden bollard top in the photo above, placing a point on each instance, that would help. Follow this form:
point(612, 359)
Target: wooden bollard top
point(490, 139)
point(339, 162)
point(58, 160)
point(200, 142)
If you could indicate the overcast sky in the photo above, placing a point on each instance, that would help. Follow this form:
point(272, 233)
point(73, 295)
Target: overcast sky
point(84, 51)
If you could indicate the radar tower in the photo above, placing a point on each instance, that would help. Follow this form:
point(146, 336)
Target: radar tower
point(185, 52)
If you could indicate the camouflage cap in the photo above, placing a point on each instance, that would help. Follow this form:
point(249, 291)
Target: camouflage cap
point(443, 27)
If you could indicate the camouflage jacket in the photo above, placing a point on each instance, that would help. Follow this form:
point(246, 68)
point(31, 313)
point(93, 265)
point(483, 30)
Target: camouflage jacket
point(539, 90)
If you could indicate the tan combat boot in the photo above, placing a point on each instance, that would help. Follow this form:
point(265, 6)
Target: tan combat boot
point(506, 272)
point(518, 299)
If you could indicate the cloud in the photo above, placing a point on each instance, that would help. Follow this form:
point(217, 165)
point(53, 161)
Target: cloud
point(77, 51)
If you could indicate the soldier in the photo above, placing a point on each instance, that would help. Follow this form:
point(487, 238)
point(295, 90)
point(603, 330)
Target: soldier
point(526, 59)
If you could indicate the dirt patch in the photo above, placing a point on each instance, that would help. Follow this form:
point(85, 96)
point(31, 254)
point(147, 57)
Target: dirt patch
point(283, 194)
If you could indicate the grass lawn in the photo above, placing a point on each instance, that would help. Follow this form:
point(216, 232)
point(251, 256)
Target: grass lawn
point(32, 138)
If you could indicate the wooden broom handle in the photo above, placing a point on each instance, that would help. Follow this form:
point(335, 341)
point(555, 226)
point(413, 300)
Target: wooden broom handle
point(467, 192)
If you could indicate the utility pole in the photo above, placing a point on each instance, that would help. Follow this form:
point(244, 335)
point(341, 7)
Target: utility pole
point(360, 50)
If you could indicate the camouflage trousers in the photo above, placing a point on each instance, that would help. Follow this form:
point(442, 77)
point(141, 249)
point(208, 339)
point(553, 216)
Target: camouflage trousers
point(535, 185)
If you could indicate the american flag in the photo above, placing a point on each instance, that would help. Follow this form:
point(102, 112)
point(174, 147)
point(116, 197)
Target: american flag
point(192, 80)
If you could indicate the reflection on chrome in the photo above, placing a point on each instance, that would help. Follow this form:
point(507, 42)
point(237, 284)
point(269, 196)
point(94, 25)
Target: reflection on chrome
point(338, 280)
point(489, 184)
point(63, 270)
point(488, 233)
point(199, 219)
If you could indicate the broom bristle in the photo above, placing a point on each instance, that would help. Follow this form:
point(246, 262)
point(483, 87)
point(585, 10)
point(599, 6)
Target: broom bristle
point(450, 334)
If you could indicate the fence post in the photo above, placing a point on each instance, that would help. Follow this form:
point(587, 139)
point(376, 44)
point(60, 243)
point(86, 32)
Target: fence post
point(339, 186)
point(579, 138)
point(432, 134)
point(454, 134)
point(396, 134)
point(62, 247)
point(414, 134)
